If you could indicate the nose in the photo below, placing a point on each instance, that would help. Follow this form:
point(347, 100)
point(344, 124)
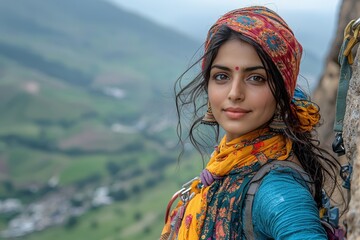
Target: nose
point(237, 91)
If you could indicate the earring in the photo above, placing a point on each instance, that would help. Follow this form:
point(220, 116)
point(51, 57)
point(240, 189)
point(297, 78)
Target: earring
point(277, 124)
point(208, 118)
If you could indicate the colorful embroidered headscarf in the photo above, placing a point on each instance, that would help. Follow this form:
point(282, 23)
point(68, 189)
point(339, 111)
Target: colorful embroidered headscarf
point(274, 36)
point(271, 32)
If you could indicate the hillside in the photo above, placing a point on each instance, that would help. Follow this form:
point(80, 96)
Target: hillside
point(87, 114)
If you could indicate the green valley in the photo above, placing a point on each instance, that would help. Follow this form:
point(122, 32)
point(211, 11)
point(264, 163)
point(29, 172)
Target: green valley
point(87, 128)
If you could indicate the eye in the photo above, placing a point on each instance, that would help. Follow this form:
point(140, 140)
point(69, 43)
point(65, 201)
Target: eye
point(220, 77)
point(257, 79)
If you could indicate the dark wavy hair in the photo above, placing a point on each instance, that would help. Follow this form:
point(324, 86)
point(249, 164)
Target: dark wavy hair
point(191, 102)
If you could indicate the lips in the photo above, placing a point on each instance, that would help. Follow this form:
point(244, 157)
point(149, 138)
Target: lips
point(235, 113)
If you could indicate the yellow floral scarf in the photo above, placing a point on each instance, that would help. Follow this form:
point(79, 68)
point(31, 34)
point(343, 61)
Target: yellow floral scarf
point(187, 219)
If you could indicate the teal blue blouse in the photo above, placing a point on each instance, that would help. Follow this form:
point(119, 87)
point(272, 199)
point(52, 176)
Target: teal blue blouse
point(283, 208)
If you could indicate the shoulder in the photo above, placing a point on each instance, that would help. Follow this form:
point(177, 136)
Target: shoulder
point(283, 206)
point(280, 174)
point(285, 183)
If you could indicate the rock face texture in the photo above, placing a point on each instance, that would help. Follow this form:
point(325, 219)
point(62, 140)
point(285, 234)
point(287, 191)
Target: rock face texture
point(325, 96)
point(325, 93)
point(351, 135)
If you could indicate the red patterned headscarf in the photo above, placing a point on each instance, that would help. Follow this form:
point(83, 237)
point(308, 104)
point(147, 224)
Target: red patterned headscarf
point(271, 32)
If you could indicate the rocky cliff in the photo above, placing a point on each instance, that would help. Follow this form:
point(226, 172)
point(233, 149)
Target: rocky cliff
point(325, 96)
point(325, 93)
point(351, 137)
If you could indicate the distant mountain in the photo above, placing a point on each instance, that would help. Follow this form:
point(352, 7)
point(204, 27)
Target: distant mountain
point(92, 44)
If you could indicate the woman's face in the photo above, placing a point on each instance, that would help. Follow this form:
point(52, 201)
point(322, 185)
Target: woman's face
point(238, 89)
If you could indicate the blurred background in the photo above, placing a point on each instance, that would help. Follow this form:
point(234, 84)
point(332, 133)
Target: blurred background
point(88, 146)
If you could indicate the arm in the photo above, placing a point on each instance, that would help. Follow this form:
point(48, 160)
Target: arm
point(284, 208)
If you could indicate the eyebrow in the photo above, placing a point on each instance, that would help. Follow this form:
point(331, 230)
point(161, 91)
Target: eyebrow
point(248, 69)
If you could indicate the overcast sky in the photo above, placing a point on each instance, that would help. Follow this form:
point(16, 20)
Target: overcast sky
point(196, 16)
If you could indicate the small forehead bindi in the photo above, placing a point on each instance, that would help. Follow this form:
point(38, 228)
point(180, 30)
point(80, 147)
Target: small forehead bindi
point(237, 68)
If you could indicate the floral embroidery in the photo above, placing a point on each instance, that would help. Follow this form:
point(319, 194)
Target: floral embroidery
point(256, 147)
point(220, 223)
point(274, 43)
point(188, 220)
point(246, 21)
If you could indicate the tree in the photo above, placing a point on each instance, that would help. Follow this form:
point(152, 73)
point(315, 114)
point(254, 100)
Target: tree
point(71, 222)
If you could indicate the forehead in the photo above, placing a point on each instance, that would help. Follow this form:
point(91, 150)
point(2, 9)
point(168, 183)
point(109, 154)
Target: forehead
point(237, 52)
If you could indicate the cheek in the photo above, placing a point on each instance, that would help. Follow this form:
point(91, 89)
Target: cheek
point(268, 103)
point(213, 95)
point(271, 105)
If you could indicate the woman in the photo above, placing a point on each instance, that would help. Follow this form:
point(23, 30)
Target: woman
point(248, 83)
